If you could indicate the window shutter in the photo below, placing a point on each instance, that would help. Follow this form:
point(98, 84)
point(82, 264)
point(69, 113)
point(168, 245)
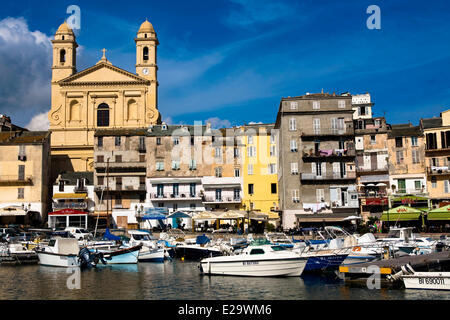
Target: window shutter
point(313, 168)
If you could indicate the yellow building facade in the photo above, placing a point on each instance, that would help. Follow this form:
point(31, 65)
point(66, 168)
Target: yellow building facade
point(100, 97)
point(260, 168)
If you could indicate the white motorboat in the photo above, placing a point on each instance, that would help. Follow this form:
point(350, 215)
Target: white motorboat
point(257, 261)
point(424, 280)
point(151, 251)
point(60, 252)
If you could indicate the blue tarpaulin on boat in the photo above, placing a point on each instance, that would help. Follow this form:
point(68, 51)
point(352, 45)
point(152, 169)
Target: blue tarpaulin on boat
point(202, 239)
point(109, 236)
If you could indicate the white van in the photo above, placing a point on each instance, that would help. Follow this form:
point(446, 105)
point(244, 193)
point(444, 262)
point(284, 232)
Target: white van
point(79, 233)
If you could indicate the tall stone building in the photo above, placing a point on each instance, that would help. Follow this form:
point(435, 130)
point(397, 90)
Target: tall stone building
point(317, 178)
point(100, 97)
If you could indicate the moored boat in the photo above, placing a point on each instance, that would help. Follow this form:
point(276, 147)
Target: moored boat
point(256, 261)
point(59, 252)
point(123, 255)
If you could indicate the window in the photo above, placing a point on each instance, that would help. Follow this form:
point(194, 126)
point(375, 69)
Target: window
point(415, 156)
point(341, 104)
point(145, 53)
point(158, 141)
point(218, 152)
point(250, 188)
point(100, 159)
point(320, 195)
point(218, 172)
point(100, 142)
point(192, 206)
point(294, 105)
point(176, 189)
point(142, 158)
point(446, 186)
point(176, 141)
point(142, 182)
point(118, 141)
point(400, 158)
point(250, 139)
point(296, 196)
point(272, 168)
point(193, 165)
point(399, 142)
point(175, 165)
point(159, 166)
point(118, 200)
point(160, 190)
point(316, 126)
point(237, 173)
point(273, 188)
point(418, 184)
point(251, 151)
point(103, 115)
point(433, 182)
point(21, 172)
point(142, 143)
point(62, 56)
point(294, 147)
point(292, 124)
point(250, 169)
point(192, 189)
point(316, 105)
point(119, 183)
point(22, 153)
point(192, 141)
point(294, 168)
point(118, 158)
point(414, 141)
point(362, 111)
point(431, 141)
point(61, 186)
point(20, 193)
point(218, 194)
point(257, 251)
point(236, 194)
point(273, 151)
point(373, 139)
point(236, 153)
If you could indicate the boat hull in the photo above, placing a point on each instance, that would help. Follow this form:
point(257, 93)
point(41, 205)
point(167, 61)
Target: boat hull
point(122, 256)
point(427, 281)
point(151, 255)
point(58, 260)
point(324, 262)
point(292, 267)
point(195, 253)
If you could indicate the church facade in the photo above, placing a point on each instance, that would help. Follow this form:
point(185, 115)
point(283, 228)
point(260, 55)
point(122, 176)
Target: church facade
point(100, 97)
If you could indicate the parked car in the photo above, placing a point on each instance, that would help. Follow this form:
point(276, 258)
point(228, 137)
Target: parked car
point(79, 233)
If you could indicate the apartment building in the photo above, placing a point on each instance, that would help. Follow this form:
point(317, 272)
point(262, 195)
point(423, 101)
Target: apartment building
point(317, 174)
point(120, 172)
point(437, 156)
point(24, 176)
point(407, 178)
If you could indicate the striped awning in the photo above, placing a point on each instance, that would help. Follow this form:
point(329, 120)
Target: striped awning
point(70, 196)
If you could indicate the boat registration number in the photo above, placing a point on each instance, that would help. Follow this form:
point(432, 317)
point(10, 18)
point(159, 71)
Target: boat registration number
point(247, 263)
point(431, 280)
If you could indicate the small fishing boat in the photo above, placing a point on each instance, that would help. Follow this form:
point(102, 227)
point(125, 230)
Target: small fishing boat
point(59, 252)
point(322, 259)
point(257, 261)
point(123, 255)
point(16, 253)
point(150, 251)
point(202, 248)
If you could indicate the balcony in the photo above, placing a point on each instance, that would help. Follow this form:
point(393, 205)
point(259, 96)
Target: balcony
point(120, 188)
point(327, 176)
point(435, 171)
point(16, 181)
point(328, 133)
point(216, 200)
point(401, 192)
point(71, 205)
point(372, 170)
point(175, 197)
point(332, 154)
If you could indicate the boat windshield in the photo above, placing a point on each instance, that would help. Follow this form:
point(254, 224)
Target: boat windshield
point(141, 237)
point(51, 243)
point(278, 248)
point(394, 234)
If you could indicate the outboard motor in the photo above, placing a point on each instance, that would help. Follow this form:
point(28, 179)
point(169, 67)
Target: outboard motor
point(89, 259)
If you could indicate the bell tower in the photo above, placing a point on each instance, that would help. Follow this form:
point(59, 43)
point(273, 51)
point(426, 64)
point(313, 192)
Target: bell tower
point(146, 43)
point(64, 53)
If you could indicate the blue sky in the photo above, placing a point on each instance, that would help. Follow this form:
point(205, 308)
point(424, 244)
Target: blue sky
point(233, 60)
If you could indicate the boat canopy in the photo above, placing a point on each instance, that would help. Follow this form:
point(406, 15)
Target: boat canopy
point(442, 213)
point(401, 213)
point(109, 236)
point(178, 214)
point(202, 239)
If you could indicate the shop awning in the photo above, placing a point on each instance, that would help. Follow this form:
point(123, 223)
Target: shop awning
point(12, 211)
point(232, 215)
point(401, 213)
point(67, 212)
point(70, 196)
point(206, 216)
point(179, 215)
point(439, 213)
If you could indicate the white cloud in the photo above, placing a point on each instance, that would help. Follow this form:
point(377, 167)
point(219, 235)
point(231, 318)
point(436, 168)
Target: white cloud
point(25, 68)
point(39, 122)
point(217, 123)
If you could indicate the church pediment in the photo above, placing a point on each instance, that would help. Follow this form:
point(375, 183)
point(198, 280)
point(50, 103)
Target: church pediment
point(103, 73)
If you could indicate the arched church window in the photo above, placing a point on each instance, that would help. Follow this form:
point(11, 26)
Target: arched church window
point(62, 56)
point(145, 53)
point(103, 115)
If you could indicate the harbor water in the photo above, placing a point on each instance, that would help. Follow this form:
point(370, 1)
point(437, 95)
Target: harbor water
point(181, 280)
